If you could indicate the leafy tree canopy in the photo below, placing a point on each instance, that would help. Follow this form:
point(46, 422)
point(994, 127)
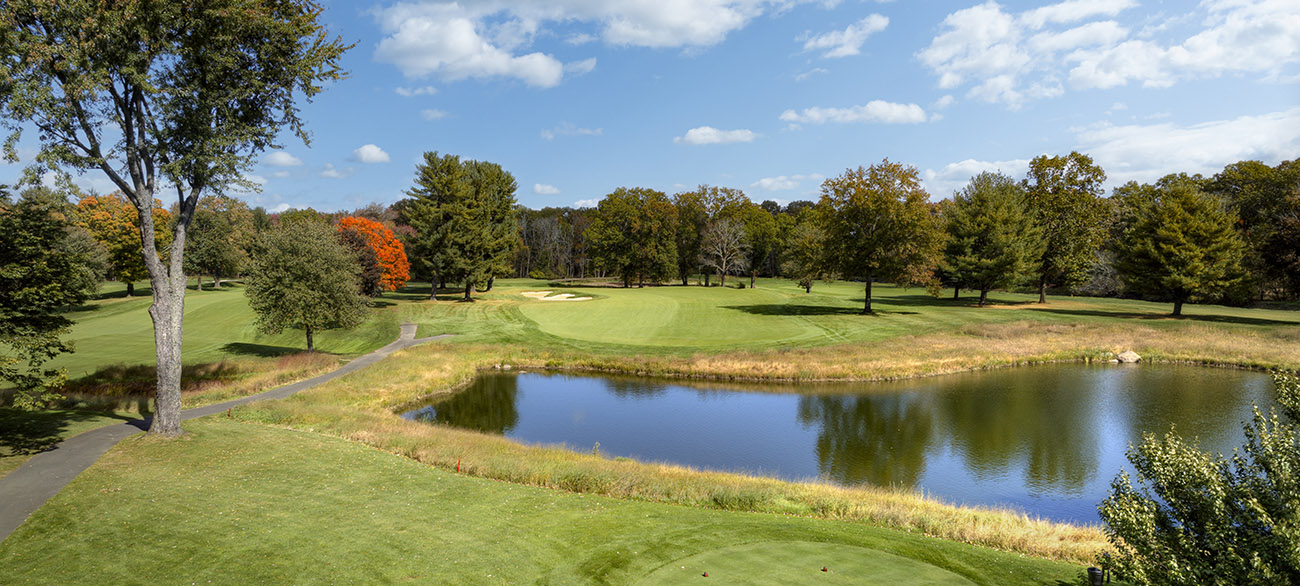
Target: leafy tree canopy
point(879, 224)
point(389, 253)
point(634, 235)
point(1198, 518)
point(41, 276)
point(992, 241)
point(1064, 197)
point(302, 278)
point(1181, 243)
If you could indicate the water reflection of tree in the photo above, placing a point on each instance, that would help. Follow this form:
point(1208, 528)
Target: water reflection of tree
point(632, 388)
point(487, 406)
point(1208, 404)
point(879, 440)
point(1041, 425)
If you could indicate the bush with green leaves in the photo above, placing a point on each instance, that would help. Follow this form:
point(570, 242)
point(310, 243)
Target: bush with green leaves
point(1198, 518)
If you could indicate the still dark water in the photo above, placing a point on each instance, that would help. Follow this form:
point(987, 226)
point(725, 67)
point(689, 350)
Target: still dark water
point(1045, 439)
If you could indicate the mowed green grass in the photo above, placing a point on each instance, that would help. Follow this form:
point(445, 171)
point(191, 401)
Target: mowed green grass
point(218, 325)
point(776, 314)
point(235, 503)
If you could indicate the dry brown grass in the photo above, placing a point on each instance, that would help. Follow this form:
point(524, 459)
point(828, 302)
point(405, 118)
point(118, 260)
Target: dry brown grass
point(129, 388)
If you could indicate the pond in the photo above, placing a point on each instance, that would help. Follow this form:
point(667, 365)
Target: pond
point(1046, 440)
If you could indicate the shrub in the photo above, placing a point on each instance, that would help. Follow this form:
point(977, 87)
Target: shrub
point(1201, 518)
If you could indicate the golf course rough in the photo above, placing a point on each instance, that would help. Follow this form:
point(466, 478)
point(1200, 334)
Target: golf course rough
point(797, 563)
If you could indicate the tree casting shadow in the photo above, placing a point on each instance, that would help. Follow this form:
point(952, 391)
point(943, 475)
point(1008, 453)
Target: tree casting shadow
point(260, 350)
point(1228, 319)
point(803, 310)
point(24, 433)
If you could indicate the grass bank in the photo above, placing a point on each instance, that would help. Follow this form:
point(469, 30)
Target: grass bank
point(245, 504)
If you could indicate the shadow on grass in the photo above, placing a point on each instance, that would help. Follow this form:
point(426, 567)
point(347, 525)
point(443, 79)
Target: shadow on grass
point(259, 350)
point(1225, 319)
point(25, 432)
point(796, 309)
point(120, 381)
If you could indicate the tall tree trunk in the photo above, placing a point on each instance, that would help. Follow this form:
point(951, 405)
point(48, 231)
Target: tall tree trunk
point(808, 288)
point(1042, 289)
point(199, 278)
point(130, 289)
point(706, 278)
point(311, 346)
point(752, 274)
point(168, 281)
point(433, 289)
point(866, 308)
point(956, 292)
point(489, 284)
point(469, 288)
point(1178, 306)
point(722, 278)
point(984, 295)
point(683, 280)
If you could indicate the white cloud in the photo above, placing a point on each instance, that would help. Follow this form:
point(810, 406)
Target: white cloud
point(586, 203)
point(489, 39)
point(544, 189)
point(427, 90)
point(785, 183)
point(810, 73)
point(279, 208)
point(711, 135)
point(280, 174)
point(952, 177)
point(873, 111)
point(333, 172)
point(944, 102)
point(580, 67)
point(281, 159)
point(581, 39)
point(568, 129)
point(1092, 34)
point(1148, 152)
point(848, 41)
point(985, 48)
point(444, 39)
point(433, 114)
point(1073, 11)
point(370, 154)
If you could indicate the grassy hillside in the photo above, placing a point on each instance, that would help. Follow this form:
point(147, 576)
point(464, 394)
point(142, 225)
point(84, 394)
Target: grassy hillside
point(243, 504)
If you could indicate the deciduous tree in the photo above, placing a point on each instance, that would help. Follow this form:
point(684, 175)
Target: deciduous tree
point(389, 253)
point(634, 235)
point(1063, 195)
point(1198, 518)
point(879, 224)
point(177, 96)
point(760, 235)
point(114, 223)
point(724, 248)
point(303, 278)
point(41, 276)
point(220, 237)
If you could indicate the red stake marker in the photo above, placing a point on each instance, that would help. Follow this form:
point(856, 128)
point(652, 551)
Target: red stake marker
point(458, 465)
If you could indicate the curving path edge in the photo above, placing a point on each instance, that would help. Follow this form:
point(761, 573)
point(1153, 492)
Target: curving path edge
point(29, 486)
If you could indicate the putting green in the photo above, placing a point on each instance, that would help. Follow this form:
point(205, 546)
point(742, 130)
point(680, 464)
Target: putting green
point(799, 562)
point(673, 316)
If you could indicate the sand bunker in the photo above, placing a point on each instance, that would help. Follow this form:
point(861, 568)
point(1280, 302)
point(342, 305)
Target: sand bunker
point(543, 296)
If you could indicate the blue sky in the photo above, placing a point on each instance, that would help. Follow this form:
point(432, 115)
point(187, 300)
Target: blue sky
point(579, 97)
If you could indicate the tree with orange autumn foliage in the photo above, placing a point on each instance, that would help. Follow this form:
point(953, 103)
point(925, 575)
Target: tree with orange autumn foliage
point(389, 252)
point(113, 221)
